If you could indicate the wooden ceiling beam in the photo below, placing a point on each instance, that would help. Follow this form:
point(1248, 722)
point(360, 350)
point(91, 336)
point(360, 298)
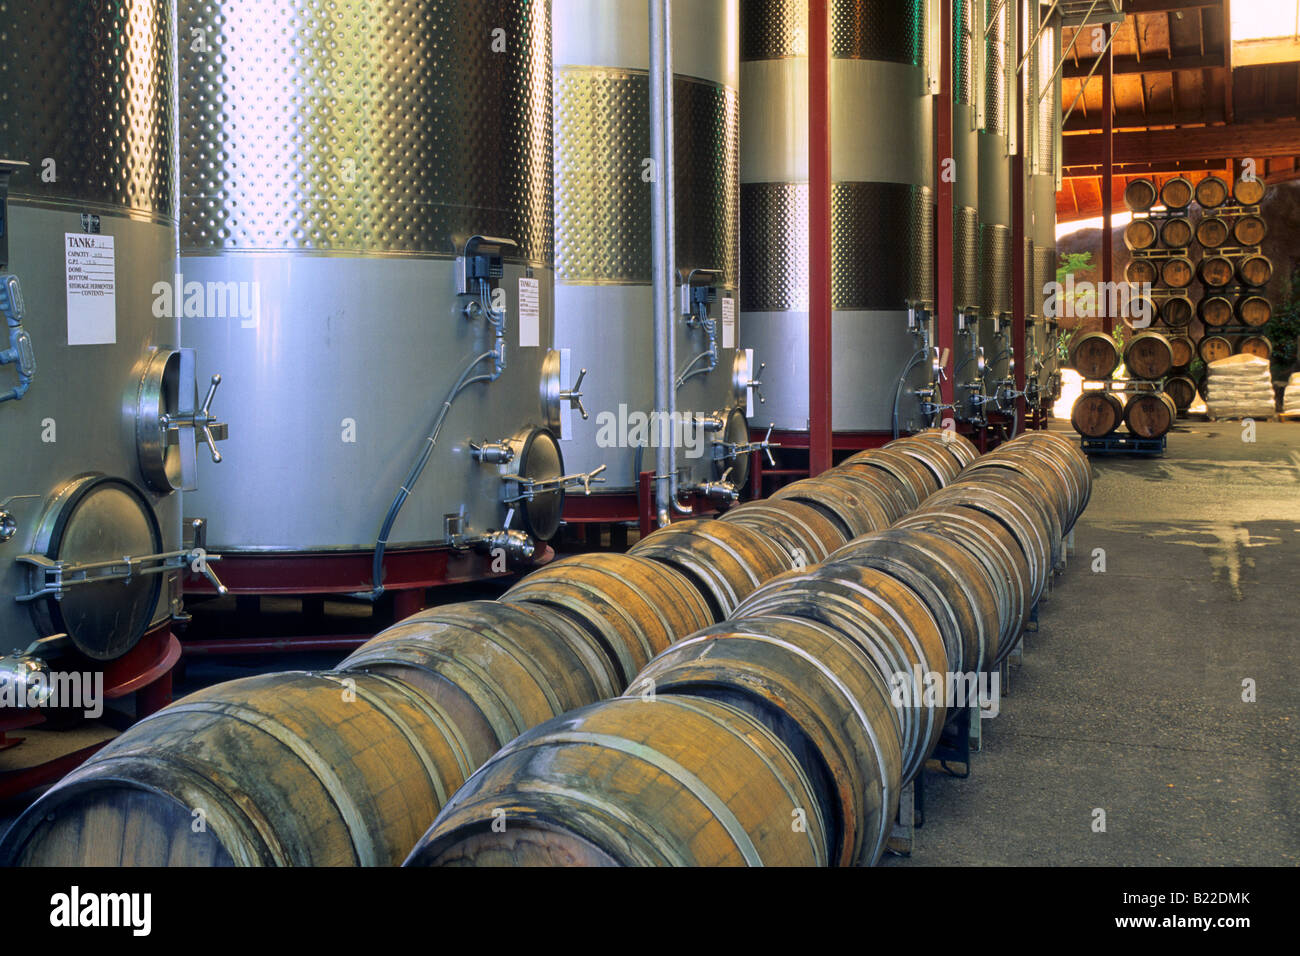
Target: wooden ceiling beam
point(1130, 65)
point(1201, 142)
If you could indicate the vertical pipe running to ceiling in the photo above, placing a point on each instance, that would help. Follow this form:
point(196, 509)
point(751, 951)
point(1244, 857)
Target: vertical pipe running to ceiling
point(945, 304)
point(1108, 174)
point(662, 248)
point(819, 237)
point(1019, 276)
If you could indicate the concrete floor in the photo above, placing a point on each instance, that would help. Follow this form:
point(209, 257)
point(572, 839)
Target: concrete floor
point(1130, 695)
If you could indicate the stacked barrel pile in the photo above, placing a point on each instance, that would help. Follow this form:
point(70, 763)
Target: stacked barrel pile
point(779, 735)
point(1231, 271)
point(914, 555)
point(1141, 401)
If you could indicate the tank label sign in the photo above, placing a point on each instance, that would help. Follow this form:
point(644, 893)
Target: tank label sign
point(530, 313)
point(728, 322)
point(92, 289)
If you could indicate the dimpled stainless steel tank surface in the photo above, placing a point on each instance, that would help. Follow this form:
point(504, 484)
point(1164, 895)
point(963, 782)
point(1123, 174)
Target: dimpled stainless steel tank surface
point(336, 159)
point(603, 293)
point(882, 167)
point(87, 474)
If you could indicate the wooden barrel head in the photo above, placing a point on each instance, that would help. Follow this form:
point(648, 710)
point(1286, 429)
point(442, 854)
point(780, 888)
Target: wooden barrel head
point(1140, 195)
point(1211, 191)
point(1215, 271)
point(1255, 345)
point(1096, 413)
point(1177, 311)
point(1248, 192)
point(1212, 232)
point(1181, 389)
point(1215, 310)
point(1148, 355)
point(1213, 348)
point(1094, 355)
point(1255, 270)
point(1150, 414)
point(1249, 231)
point(1142, 272)
point(1176, 193)
point(1254, 310)
point(1140, 234)
point(1176, 233)
point(1177, 272)
point(1183, 350)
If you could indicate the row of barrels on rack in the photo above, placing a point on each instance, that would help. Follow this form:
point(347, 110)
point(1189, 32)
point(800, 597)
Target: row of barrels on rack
point(350, 766)
point(1141, 194)
point(1217, 274)
point(779, 735)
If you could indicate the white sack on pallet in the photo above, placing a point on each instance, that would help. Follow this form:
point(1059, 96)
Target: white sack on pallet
point(1291, 398)
point(1240, 386)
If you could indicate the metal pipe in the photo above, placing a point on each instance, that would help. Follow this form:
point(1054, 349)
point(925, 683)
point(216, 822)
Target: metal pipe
point(661, 225)
point(819, 234)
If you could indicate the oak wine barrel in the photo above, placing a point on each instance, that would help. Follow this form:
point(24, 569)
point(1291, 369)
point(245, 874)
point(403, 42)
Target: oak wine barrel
point(1177, 193)
point(1177, 272)
point(1181, 389)
point(493, 668)
point(918, 478)
point(1176, 233)
point(1255, 270)
point(1248, 192)
point(989, 543)
point(957, 445)
point(1254, 345)
point(955, 587)
point(1006, 478)
point(855, 509)
point(1183, 350)
point(1094, 355)
point(883, 616)
point(1096, 413)
point(1147, 355)
point(1249, 230)
point(1053, 484)
point(725, 560)
point(289, 769)
point(1215, 271)
point(1026, 525)
point(1215, 310)
point(632, 606)
point(1068, 454)
point(1140, 234)
point(1150, 414)
point(1140, 195)
point(1254, 310)
point(793, 523)
point(944, 466)
point(888, 487)
point(818, 691)
point(1212, 232)
point(673, 781)
point(1214, 347)
point(1141, 272)
point(1177, 311)
point(1211, 192)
